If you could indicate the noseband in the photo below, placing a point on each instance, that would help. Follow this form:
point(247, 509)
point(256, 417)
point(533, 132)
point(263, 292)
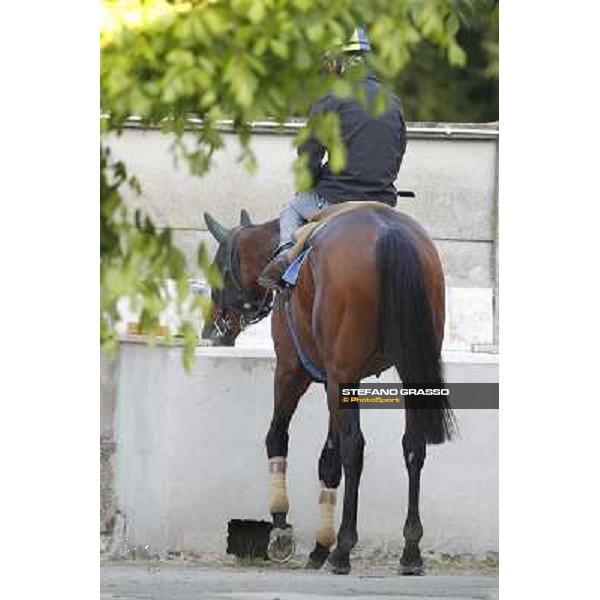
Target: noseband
point(250, 309)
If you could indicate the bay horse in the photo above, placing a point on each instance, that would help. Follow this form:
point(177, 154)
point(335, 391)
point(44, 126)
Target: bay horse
point(369, 296)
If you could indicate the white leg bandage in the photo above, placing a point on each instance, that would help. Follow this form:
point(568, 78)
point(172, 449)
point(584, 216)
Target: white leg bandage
point(278, 500)
point(326, 532)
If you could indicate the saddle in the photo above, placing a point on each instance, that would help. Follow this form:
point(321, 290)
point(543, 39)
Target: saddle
point(302, 236)
point(320, 219)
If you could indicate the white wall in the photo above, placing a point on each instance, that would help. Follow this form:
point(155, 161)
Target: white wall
point(190, 456)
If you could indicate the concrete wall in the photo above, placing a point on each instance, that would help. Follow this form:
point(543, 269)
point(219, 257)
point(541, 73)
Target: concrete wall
point(190, 456)
point(108, 381)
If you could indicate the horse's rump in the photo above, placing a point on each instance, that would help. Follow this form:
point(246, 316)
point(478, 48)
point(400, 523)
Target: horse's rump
point(379, 288)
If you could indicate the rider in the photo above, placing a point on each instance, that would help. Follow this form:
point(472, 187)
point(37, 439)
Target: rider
point(374, 148)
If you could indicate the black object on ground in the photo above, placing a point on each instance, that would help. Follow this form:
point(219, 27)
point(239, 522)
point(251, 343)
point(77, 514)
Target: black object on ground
point(247, 538)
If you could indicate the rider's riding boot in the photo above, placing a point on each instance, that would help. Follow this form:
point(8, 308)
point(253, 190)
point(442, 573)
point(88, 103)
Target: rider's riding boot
point(272, 273)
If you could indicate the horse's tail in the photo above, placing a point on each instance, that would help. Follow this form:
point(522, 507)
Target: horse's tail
point(407, 335)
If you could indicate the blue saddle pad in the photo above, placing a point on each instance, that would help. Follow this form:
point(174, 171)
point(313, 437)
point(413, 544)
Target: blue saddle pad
point(291, 273)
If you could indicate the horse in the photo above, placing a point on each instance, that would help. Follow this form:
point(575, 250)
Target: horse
point(369, 296)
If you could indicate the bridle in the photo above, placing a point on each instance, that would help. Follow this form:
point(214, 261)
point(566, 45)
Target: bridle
point(250, 309)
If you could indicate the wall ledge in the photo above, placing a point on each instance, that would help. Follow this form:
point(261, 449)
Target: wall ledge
point(415, 130)
point(448, 356)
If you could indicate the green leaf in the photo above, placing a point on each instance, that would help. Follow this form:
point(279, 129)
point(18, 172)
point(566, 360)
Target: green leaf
point(302, 174)
point(256, 13)
point(315, 32)
point(190, 340)
point(379, 105)
point(245, 85)
point(342, 88)
point(337, 157)
point(303, 59)
point(456, 55)
point(280, 48)
point(215, 20)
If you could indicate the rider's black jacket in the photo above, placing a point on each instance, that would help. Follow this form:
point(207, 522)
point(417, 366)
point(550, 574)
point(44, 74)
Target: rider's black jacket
point(374, 147)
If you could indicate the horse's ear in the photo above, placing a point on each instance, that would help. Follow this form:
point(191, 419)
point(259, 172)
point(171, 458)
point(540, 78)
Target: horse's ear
point(245, 220)
point(219, 232)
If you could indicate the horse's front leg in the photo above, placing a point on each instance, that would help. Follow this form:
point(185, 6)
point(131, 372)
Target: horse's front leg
point(330, 475)
point(413, 446)
point(291, 381)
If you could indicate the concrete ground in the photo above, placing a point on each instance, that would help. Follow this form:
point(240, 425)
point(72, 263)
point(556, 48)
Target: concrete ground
point(164, 581)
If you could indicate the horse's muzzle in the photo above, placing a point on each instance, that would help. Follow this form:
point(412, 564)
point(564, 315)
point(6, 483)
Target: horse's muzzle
point(222, 329)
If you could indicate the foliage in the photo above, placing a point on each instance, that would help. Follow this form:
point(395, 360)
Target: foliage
point(137, 262)
point(240, 60)
point(432, 90)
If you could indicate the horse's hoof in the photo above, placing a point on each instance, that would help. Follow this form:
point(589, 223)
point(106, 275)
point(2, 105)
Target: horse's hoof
point(411, 562)
point(411, 569)
point(317, 558)
point(281, 545)
point(339, 562)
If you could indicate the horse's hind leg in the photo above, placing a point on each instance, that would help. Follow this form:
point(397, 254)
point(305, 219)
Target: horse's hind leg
point(330, 474)
point(413, 446)
point(352, 444)
point(291, 381)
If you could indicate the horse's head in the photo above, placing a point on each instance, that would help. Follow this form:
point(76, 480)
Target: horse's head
point(240, 301)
